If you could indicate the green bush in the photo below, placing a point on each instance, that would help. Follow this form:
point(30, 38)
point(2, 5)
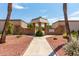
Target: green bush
point(10, 28)
point(39, 33)
point(49, 26)
point(72, 48)
point(74, 33)
point(64, 35)
point(30, 26)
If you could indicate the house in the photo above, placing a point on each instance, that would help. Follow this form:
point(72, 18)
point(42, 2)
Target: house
point(15, 22)
point(19, 26)
point(73, 25)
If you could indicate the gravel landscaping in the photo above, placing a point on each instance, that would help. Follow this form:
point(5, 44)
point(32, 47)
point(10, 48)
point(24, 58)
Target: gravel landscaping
point(56, 42)
point(15, 45)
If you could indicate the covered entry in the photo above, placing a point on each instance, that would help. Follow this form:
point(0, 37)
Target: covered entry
point(39, 22)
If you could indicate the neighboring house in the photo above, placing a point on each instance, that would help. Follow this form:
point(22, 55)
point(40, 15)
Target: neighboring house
point(73, 24)
point(20, 26)
point(15, 22)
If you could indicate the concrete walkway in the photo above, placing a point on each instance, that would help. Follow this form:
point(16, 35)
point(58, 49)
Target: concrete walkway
point(38, 47)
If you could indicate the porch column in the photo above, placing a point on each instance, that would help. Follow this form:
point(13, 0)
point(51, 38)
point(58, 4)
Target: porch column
point(45, 24)
point(39, 26)
point(34, 27)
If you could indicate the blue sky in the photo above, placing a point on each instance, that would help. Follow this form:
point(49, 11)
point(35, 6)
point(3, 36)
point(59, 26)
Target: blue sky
point(52, 11)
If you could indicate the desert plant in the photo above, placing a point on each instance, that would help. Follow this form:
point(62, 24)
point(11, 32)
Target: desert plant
point(39, 33)
point(72, 48)
point(64, 35)
point(9, 28)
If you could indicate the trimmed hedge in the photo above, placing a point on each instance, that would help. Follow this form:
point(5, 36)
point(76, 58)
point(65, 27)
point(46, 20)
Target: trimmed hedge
point(39, 33)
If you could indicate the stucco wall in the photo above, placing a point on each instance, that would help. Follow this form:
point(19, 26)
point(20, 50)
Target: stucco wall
point(23, 25)
point(74, 25)
point(27, 31)
point(18, 23)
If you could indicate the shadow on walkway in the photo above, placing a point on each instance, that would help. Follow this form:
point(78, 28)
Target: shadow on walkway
point(56, 49)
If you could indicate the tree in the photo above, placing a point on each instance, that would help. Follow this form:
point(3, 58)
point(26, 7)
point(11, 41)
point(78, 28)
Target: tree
point(3, 36)
point(10, 28)
point(66, 22)
point(30, 26)
point(49, 26)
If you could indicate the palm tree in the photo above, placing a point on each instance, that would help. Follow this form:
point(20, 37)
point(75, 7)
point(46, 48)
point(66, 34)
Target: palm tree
point(66, 22)
point(3, 36)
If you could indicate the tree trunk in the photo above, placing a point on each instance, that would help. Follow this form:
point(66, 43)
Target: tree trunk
point(66, 21)
point(3, 36)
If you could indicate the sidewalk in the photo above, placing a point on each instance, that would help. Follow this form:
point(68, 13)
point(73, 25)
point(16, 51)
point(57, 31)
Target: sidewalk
point(38, 47)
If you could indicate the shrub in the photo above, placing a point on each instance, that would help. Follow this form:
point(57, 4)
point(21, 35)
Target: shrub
point(18, 30)
point(10, 28)
point(39, 33)
point(30, 26)
point(74, 35)
point(78, 32)
point(49, 26)
point(72, 48)
point(64, 35)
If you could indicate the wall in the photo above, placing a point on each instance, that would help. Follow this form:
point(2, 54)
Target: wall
point(27, 31)
point(74, 25)
point(23, 25)
point(13, 22)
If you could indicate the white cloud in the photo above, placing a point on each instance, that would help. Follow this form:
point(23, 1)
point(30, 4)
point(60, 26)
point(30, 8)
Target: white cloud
point(43, 11)
point(76, 13)
point(52, 20)
point(17, 6)
point(74, 16)
point(71, 18)
point(44, 16)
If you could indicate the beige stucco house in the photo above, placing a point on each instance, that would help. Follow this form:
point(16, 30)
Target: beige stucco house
point(15, 22)
point(73, 24)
